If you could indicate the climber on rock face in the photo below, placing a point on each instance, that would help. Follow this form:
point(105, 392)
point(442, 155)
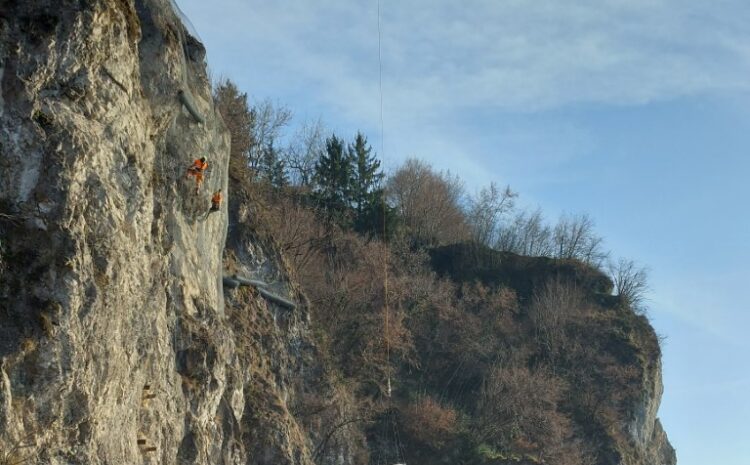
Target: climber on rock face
point(215, 203)
point(197, 169)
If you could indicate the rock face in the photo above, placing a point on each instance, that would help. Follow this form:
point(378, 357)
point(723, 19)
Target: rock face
point(115, 343)
point(648, 442)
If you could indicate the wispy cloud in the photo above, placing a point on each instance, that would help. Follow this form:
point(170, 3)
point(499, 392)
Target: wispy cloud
point(444, 61)
point(509, 53)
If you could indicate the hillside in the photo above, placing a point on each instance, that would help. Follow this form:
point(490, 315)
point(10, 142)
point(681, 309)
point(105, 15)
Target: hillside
point(126, 335)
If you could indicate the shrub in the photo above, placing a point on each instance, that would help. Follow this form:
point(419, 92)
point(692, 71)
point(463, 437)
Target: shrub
point(517, 411)
point(631, 283)
point(430, 423)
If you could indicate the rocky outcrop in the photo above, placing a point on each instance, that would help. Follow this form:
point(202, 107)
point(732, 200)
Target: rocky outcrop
point(648, 442)
point(115, 342)
point(634, 435)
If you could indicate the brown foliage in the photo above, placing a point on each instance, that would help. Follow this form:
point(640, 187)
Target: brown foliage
point(517, 409)
point(451, 339)
point(430, 423)
point(344, 277)
point(429, 203)
point(297, 230)
point(553, 305)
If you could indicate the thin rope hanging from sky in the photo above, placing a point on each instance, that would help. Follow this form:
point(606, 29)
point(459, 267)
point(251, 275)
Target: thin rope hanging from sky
point(386, 333)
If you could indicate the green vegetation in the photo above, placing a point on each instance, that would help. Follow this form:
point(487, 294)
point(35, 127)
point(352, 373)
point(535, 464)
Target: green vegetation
point(494, 356)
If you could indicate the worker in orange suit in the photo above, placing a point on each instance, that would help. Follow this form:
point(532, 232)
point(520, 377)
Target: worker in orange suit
point(215, 203)
point(197, 169)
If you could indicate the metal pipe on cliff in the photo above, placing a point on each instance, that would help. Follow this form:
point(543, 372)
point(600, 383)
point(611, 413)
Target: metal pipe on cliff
point(190, 106)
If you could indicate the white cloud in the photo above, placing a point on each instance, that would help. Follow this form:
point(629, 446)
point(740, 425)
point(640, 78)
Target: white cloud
point(510, 54)
point(444, 61)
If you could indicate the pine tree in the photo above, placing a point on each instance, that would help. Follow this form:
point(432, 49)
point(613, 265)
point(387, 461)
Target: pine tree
point(377, 219)
point(272, 167)
point(333, 181)
point(366, 175)
point(366, 195)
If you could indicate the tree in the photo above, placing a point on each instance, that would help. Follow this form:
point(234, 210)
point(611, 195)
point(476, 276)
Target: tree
point(517, 409)
point(252, 128)
point(527, 234)
point(333, 181)
point(552, 306)
point(631, 282)
point(486, 210)
point(267, 121)
point(234, 109)
point(574, 237)
point(306, 147)
point(367, 199)
point(366, 175)
point(378, 219)
point(271, 166)
point(428, 203)
point(430, 422)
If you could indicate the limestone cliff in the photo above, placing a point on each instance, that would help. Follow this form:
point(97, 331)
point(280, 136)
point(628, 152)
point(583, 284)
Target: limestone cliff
point(115, 343)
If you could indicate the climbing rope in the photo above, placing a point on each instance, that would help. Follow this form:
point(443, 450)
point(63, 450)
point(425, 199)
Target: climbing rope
point(386, 309)
point(391, 422)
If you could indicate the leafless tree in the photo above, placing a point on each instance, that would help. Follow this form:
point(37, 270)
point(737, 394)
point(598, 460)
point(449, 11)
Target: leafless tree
point(267, 121)
point(527, 234)
point(486, 210)
point(252, 128)
point(430, 422)
point(574, 237)
point(631, 282)
point(552, 306)
point(303, 151)
point(429, 202)
point(517, 407)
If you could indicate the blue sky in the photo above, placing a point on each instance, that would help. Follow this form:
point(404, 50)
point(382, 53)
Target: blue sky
point(634, 111)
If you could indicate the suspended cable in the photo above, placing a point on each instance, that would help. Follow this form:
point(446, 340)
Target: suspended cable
point(386, 310)
point(391, 417)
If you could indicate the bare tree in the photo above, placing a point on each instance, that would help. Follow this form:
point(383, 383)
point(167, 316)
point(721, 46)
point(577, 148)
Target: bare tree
point(574, 237)
point(486, 210)
point(552, 306)
point(303, 151)
point(430, 422)
point(428, 202)
point(631, 282)
point(517, 408)
point(527, 234)
point(267, 121)
point(252, 128)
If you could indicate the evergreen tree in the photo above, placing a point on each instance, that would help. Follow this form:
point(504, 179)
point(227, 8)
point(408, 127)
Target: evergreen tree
point(366, 177)
point(235, 110)
point(333, 181)
point(366, 196)
point(272, 166)
point(377, 219)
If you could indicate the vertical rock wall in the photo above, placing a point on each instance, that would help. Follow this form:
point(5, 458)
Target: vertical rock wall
point(114, 343)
